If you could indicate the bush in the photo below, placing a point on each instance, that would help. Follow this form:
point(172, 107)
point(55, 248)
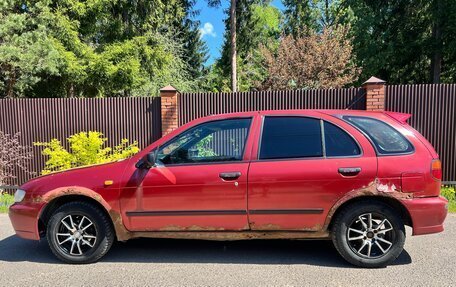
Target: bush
point(86, 148)
point(13, 155)
point(449, 193)
point(5, 201)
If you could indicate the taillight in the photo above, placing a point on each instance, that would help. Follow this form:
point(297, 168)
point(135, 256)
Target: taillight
point(436, 169)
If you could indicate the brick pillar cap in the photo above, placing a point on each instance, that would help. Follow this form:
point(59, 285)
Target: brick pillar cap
point(374, 80)
point(168, 88)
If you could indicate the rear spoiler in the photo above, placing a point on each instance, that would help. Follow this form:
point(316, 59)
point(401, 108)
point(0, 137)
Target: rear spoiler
point(400, 117)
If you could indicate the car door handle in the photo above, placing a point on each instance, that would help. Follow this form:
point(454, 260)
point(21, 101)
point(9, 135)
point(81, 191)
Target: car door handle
point(230, 175)
point(349, 171)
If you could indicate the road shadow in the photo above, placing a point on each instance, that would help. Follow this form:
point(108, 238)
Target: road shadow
point(283, 252)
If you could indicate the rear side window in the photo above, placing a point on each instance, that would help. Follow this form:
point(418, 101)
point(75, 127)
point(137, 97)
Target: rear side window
point(338, 142)
point(386, 139)
point(291, 137)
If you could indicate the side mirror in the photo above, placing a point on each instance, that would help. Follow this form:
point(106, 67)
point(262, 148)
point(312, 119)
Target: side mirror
point(147, 162)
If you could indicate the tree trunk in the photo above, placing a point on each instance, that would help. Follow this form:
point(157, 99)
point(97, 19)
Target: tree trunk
point(233, 46)
point(436, 60)
point(11, 83)
point(326, 21)
point(71, 91)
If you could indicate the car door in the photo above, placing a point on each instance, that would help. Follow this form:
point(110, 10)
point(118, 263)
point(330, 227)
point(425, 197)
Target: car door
point(304, 165)
point(199, 182)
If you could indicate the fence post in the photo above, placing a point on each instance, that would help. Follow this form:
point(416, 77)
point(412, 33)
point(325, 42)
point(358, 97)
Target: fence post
point(375, 94)
point(169, 109)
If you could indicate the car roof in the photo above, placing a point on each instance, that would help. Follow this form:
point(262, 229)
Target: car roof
point(297, 112)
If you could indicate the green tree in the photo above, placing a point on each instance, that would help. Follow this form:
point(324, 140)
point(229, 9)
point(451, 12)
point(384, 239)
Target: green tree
point(237, 14)
point(300, 16)
point(305, 17)
point(74, 48)
point(389, 40)
point(406, 41)
point(258, 26)
point(27, 50)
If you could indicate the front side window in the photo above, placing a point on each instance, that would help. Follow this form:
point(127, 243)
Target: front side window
point(386, 139)
point(291, 137)
point(215, 141)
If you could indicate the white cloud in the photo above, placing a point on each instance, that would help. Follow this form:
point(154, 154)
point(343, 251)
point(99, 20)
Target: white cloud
point(207, 29)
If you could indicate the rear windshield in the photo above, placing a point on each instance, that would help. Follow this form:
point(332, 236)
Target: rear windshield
point(385, 138)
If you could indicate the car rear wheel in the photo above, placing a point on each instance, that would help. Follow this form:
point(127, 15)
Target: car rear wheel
point(368, 234)
point(79, 232)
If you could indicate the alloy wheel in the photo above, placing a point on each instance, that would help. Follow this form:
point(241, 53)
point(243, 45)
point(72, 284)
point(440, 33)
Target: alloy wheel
point(370, 235)
point(76, 234)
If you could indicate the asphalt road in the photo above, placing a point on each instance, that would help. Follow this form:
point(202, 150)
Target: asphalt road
point(426, 261)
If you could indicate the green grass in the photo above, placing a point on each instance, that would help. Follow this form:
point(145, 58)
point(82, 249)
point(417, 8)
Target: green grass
point(5, 201)
point(449, 192)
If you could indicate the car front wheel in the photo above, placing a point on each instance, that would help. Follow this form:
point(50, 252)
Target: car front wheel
point(369, 234)
point(79, 232)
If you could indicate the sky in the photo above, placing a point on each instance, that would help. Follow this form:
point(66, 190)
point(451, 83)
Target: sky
point(212, 26)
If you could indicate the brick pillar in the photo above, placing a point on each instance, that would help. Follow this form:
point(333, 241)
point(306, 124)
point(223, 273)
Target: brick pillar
point(169, 109)
point(375, 94)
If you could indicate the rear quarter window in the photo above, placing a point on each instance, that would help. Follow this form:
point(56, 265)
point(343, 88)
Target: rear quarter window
point(386, 139)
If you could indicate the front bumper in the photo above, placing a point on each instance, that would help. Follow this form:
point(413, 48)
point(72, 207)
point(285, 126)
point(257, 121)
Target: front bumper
point(427, 213)
point(24, 218)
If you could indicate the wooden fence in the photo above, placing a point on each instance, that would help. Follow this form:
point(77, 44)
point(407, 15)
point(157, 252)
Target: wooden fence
point(40, 120)
point(433, 108)
point(196, 105)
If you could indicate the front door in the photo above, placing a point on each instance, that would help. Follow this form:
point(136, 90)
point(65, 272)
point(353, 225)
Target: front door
point(305, 164)
point(199, 182)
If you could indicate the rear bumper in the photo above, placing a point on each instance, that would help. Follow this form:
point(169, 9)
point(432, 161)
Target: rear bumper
point(428, 214)
point(24, 218)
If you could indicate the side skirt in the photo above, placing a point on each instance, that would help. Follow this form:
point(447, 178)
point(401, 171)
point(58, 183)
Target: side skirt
point(235, 235)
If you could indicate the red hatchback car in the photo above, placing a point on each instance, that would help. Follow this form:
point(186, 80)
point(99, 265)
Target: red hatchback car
point(355, 177)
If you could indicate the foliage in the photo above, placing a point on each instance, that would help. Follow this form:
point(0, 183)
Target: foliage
point(449, 192)
point(13, 155)
point(203, 148)
point(86, 148)
point(399, 41)
point(258, 25)
point(266, 33)
point(100, 48)
point(312, 61)
point(74, 48)
point(6, 200)
point(302, 17)
point(299, 16)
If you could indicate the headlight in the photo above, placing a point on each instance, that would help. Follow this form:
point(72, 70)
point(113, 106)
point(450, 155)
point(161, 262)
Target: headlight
point(19, 195)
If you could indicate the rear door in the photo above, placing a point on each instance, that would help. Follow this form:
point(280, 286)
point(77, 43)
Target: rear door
point(304, 165)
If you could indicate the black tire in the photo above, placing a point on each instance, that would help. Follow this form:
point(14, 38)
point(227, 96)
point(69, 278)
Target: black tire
point(101, 233)
point(356, 217)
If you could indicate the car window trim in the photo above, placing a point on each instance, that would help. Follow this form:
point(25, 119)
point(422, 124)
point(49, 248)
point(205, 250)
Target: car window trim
point(211, 162)
point(285, 158)
point(324, 156)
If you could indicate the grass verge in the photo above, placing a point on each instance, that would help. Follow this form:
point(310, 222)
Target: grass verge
point(449, 192)
point(5, 201)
